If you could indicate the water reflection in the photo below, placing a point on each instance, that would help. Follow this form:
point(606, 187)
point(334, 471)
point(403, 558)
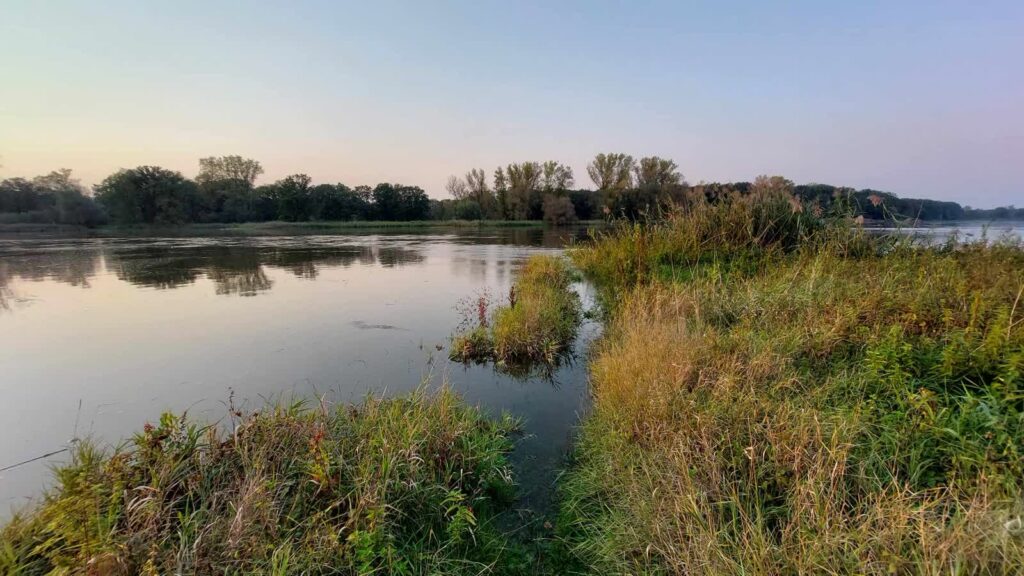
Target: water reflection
point(234, 270)
point(119, 330)
point(74, 267)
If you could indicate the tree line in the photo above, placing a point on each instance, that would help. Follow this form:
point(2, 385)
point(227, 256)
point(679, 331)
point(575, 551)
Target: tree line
point(225, 190)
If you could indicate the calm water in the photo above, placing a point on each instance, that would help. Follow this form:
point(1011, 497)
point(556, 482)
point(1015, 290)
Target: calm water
point(965, 231)
point(99, 336)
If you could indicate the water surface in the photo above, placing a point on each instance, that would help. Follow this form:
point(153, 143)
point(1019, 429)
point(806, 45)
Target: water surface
point(98, 336)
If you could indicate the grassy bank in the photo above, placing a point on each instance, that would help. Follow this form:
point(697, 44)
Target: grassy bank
point(537, 325)
point(780, 394)
point(400, 486)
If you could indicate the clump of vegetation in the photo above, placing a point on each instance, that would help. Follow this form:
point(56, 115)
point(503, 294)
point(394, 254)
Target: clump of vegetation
point(398, 486)
point(538, 324)
point(780, 394)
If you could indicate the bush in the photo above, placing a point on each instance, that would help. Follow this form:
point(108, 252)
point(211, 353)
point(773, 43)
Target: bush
point(558, 210)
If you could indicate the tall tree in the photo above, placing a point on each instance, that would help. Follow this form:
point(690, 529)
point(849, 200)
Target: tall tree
point(556, 177)
point(611, 172)
point(59, 180)
point(501, 192)
point(476, 185)
point(149, 195)
point(524, 181)
point(293, 199)
point(457, 188)
point(655, 172)
point(228, 168)
point(398, 202)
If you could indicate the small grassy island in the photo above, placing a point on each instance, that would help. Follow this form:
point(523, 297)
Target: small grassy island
point(777, 391)
point(538, 324)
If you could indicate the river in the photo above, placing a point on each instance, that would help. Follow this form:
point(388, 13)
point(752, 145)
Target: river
point(99, 336)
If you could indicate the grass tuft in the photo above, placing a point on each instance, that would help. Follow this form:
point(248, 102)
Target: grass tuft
point(538, 324)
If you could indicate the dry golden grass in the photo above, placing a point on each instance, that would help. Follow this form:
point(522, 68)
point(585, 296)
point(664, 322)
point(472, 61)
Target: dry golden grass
point(809, 410)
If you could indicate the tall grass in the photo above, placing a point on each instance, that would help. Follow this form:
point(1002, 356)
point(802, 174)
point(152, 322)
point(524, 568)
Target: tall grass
point(784, 395)
point(538, 324)
point(398, 486)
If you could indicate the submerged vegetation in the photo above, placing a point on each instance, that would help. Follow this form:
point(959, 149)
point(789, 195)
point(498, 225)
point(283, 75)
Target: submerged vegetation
point(408, 485)
point(781, 393)
point(538, 324)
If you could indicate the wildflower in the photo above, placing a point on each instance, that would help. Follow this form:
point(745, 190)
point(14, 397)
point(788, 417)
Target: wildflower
point(481, 311)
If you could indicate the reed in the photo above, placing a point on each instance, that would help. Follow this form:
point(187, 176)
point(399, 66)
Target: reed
point(407, 485)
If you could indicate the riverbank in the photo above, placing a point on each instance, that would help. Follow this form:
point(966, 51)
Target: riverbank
point(408, 485)
point(275, 228)
point(776, 394)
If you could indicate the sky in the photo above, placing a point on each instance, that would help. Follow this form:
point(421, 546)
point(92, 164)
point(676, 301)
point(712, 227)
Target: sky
point(920, 98)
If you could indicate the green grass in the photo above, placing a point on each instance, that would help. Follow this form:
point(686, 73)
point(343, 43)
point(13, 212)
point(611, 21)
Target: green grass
point(783, 394)
point(538, 325)
point(408, 485)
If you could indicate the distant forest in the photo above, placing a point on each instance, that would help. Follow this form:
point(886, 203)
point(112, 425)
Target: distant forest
point(225, 190)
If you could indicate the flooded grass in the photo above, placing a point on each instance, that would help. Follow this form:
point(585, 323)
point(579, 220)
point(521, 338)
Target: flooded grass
point(538, 324)
point(408, 485)
point(778, 394)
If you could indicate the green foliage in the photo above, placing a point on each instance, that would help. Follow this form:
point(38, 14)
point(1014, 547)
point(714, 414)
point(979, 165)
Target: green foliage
point(398, 202)
point(225, 191)
point(612, 172)
point(231, 168)
point(148, 195)
point(781, 394)
point(558, 210)
point(400, 486)
point(56, 198)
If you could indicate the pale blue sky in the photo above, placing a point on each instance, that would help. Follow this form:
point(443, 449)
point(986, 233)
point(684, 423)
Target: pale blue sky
point(919, 98)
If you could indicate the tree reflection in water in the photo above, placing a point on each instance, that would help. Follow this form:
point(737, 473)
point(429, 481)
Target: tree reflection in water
point(234, 270)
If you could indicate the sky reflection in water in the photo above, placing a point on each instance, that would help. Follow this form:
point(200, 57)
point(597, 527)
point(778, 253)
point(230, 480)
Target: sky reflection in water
point(133, 327)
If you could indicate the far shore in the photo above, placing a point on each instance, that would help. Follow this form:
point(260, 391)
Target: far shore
point(273, 228)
